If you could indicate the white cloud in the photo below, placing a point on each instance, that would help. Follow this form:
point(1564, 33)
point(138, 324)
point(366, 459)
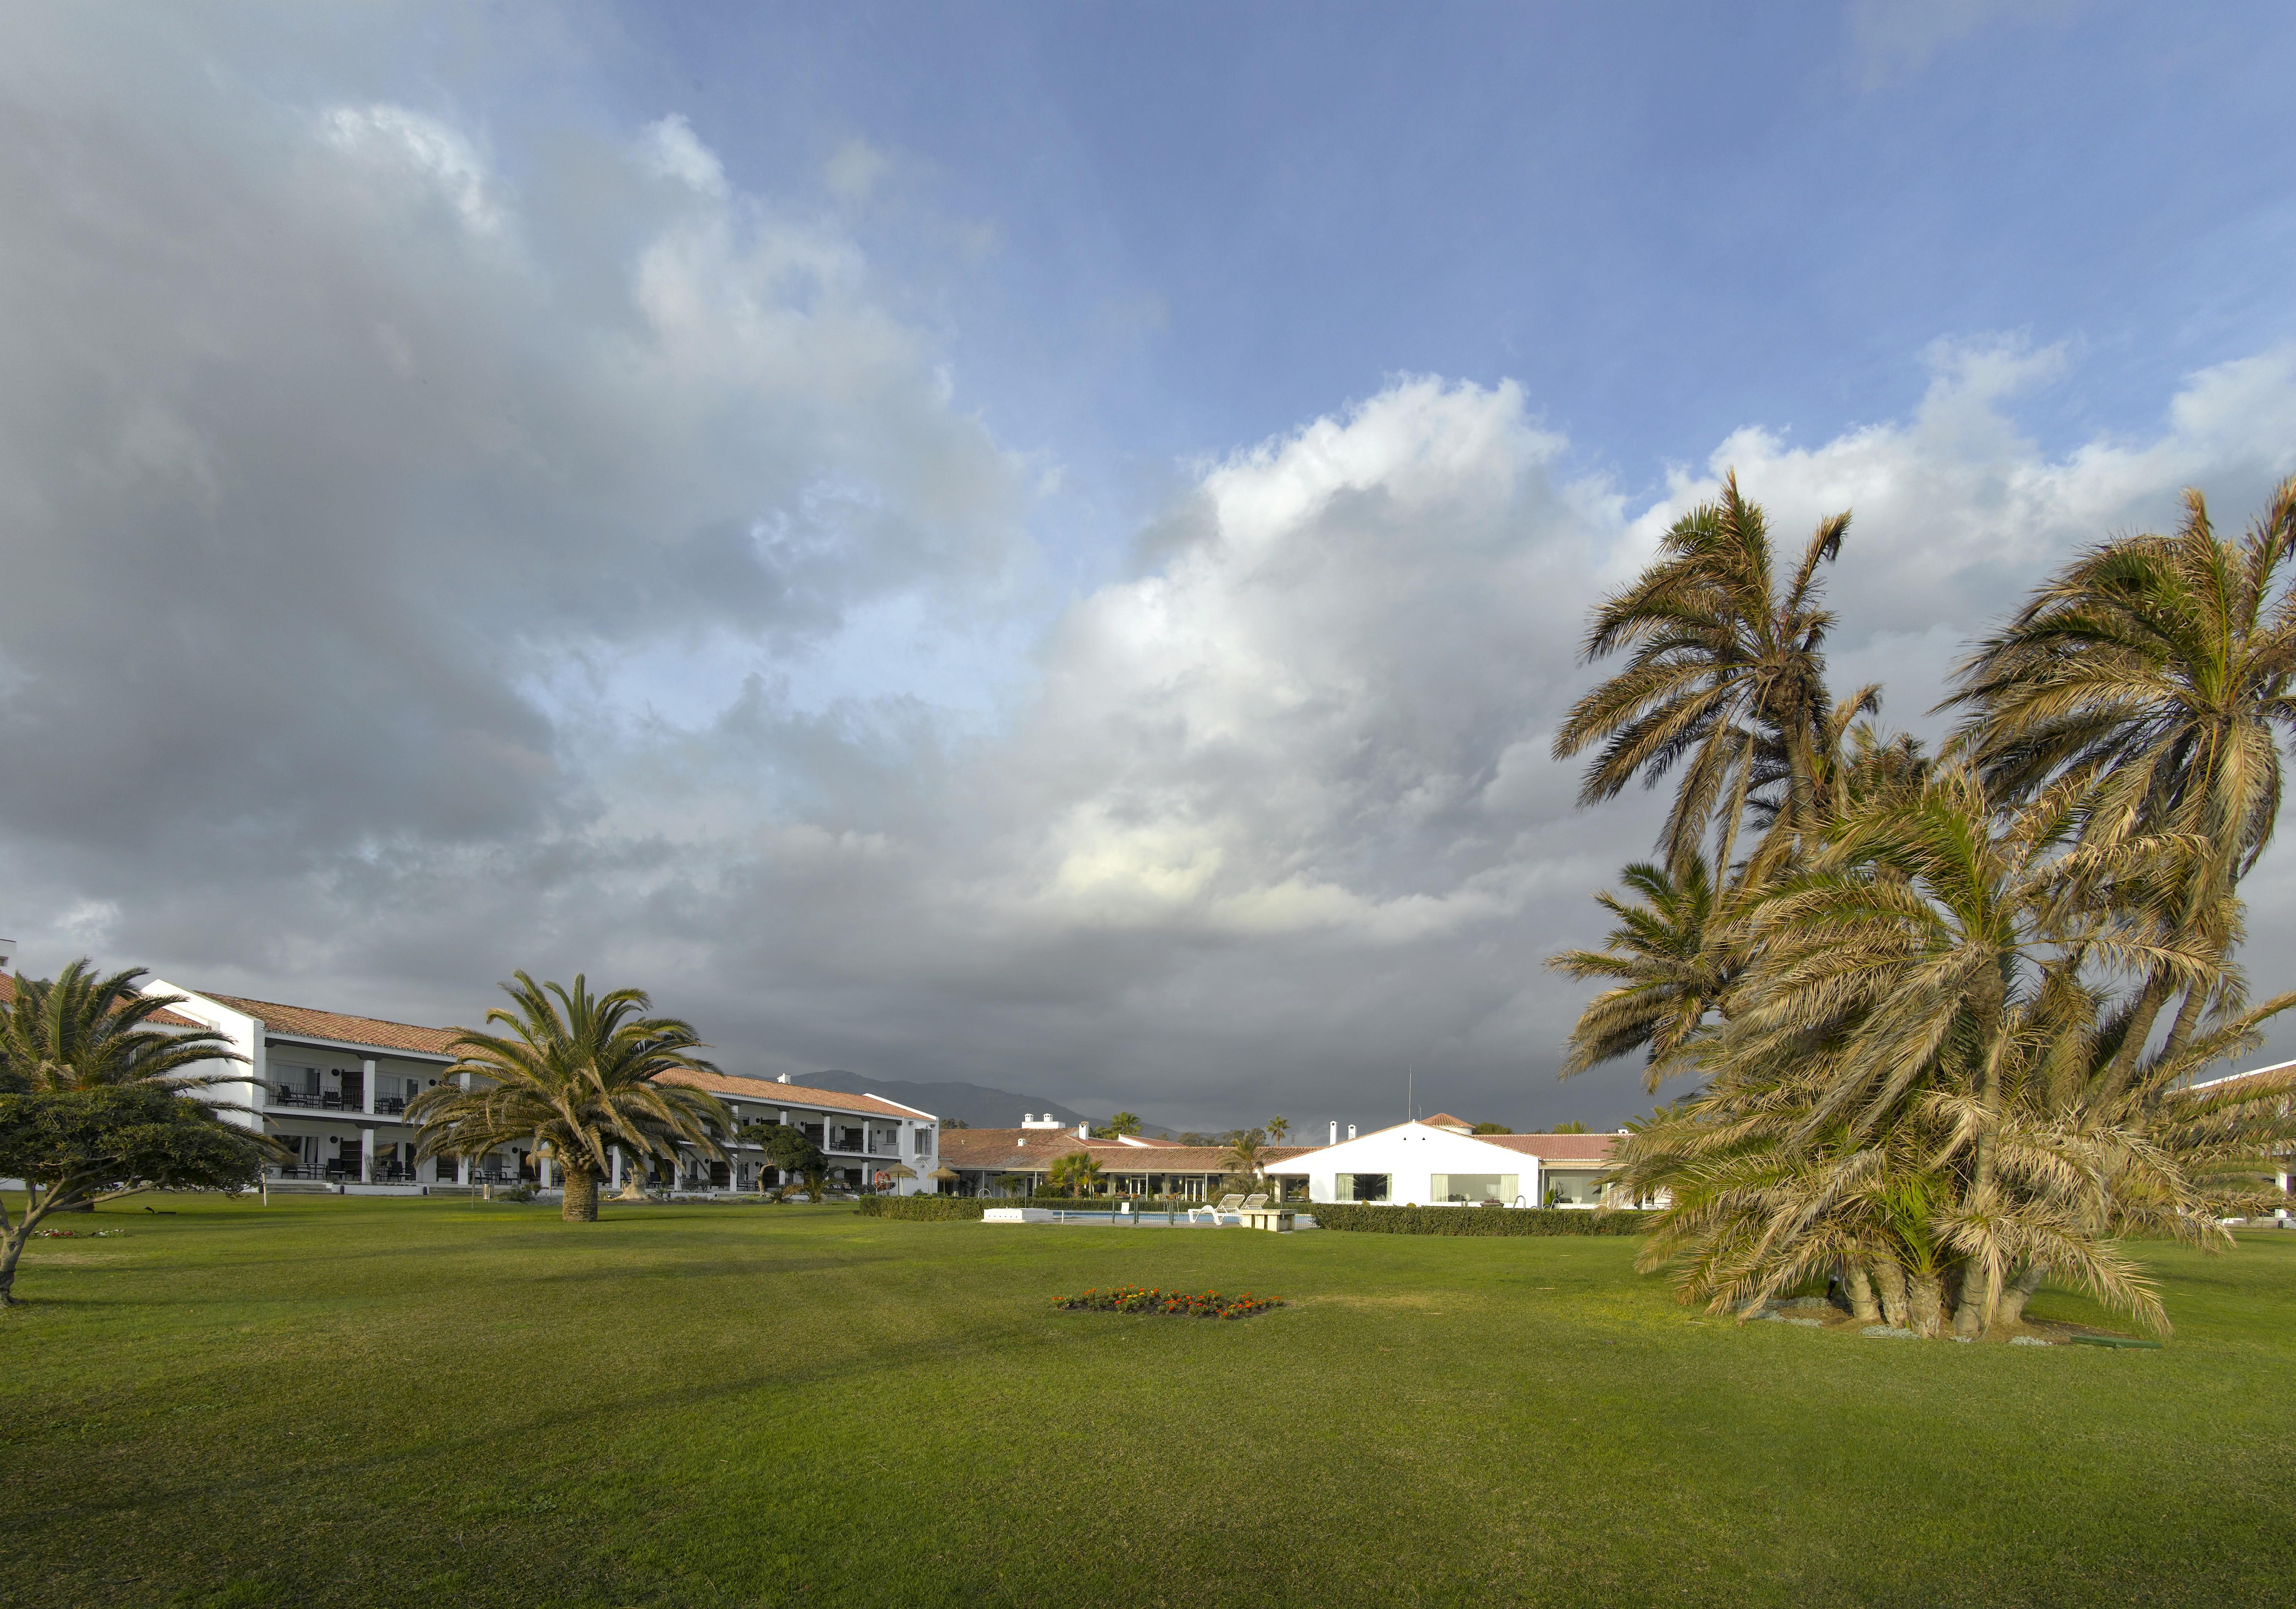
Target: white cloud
point(414, 575)
point(431, 156)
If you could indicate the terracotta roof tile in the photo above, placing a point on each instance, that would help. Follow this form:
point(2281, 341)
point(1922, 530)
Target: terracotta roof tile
point(1556, 1147)
point(377, 1031)
point(771, 1091)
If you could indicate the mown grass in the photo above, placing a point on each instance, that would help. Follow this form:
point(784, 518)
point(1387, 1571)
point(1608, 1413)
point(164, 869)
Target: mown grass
point(386, 1402)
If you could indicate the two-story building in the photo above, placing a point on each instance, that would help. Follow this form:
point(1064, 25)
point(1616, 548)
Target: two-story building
point(334, 1088)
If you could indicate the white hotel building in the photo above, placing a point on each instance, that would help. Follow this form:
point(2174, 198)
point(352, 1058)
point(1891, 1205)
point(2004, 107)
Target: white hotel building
point(334, 1089)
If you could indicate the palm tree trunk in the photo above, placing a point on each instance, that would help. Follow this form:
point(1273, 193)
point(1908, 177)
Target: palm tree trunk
point(2188, 1018)
point(1892, 1278)
point(1924, 1305)
point(581, 1203)
point(1863, 1308)
point(2140, 1029)
point(1969, 1304)
point(2018, 1291)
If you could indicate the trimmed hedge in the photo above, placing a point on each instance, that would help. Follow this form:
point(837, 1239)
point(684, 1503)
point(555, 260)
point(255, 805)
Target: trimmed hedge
point(928, 1207)
point(1368, 1219)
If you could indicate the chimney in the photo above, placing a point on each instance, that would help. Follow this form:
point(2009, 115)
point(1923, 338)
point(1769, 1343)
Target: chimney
point(782, 1079)
point(1335, 1131)
point(1083, 1131)
point(1351, 1131)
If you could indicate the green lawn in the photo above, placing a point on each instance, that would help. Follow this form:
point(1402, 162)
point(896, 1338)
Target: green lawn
point(433, 1403)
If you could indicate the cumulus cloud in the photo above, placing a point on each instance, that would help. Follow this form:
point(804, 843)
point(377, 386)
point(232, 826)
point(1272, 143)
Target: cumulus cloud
point(423, 553)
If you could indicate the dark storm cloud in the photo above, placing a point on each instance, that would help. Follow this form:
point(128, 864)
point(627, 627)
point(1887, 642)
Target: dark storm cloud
point(404, 569)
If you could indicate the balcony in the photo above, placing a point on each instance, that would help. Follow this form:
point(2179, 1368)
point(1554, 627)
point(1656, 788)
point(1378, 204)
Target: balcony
point(316, 1100)
point(391, 1103)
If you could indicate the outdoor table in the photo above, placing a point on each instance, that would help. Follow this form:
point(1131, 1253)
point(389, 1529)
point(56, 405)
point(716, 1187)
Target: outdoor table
point(1277, 1221)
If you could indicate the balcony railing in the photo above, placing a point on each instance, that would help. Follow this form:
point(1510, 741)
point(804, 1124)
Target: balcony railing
point(316, 1100)
point(391, 1103)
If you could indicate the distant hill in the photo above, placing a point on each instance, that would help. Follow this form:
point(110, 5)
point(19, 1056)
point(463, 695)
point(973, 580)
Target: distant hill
point(976, 1106)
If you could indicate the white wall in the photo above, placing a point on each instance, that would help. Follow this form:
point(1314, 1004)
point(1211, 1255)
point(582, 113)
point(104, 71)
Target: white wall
point(1411, 1155)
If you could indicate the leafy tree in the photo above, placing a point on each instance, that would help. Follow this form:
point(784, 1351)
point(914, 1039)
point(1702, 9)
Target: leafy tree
point(1573, 1127)
point(1014, 1183)
point(579, 1073)
point(1119, 1126)
point(81, 1031)
point(1492, 1128)
point(794, 1157)
point(80, 1146)
point(1074, 1173)
point(950, 1124)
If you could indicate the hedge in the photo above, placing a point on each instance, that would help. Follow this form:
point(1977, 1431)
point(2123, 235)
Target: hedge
point(930, 1208)
point(1367, 1219)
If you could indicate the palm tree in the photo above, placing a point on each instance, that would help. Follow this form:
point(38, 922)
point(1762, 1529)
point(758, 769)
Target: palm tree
point(1120, 1125)
point(1246, 1150)
point(1076, 1172)
point(580, 1081)
point(2149, 681)
point(1915, 996)
point(1277, 1129)
point(1726, 673)
point(1674, 963)
point(81, 1031)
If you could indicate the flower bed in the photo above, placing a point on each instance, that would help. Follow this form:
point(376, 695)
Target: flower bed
point(1178, 1304)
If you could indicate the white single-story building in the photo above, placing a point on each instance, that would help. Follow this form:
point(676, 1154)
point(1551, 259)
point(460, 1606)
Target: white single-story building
point(1442, 1162)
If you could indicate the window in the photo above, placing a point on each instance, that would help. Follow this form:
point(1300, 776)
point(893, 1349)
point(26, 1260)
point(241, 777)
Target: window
point(923, 1141)
point(1367, 1186)
point(1572, 1190)
point(1470, 1188)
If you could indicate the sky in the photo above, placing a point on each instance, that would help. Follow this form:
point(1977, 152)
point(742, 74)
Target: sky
point(1041, 546)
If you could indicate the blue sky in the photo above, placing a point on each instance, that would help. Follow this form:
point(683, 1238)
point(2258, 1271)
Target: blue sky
point(1665, 221)
point(1041, 546)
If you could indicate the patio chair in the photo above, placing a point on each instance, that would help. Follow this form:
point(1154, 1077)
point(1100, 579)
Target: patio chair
point(1228, 1204)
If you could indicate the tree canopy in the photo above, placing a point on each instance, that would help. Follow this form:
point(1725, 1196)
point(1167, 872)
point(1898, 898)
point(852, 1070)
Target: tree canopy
point(1922, 1007)
point(578, 1074)
point(80, 1146)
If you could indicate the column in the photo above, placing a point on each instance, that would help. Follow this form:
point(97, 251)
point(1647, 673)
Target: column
point(366, 1145)
point(463, 1170)
point(366, 1091)
point(541, 1170)
point(617, 1169)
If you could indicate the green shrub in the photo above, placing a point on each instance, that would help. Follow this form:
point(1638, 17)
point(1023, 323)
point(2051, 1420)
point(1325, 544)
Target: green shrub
point(923, 1208)
point(1368, 1219)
